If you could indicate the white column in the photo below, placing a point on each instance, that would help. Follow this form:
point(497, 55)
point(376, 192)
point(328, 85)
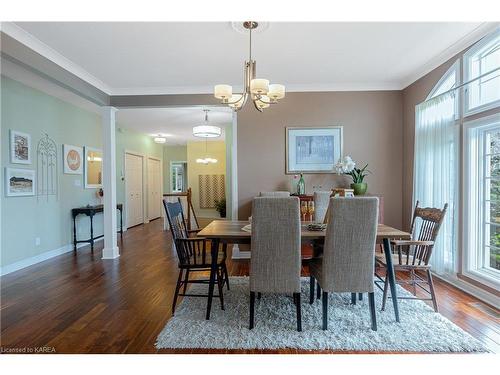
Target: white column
point(237, 253)
point(110, 250)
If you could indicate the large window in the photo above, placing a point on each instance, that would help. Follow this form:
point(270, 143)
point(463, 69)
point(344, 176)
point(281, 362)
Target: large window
point(481, 67)
point(465, 106)
point(482, 198)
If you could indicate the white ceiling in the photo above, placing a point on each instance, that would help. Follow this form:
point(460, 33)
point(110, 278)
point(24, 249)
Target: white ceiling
point(174, 123)
point(173, 57)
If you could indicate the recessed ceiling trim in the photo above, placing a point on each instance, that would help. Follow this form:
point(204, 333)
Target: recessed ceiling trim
point(467, 41)
point(357, 86)
point(41, 48)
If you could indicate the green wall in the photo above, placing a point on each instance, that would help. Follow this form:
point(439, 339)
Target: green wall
point(171, 153)
point(26, 218)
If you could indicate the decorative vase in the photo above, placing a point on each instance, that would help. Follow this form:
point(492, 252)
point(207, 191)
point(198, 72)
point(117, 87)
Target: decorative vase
point(360, 188)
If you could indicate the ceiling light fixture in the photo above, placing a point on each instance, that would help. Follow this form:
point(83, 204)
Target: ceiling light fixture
point(160, 139)
point(206, 160)
point(207, 131)
point(261, 92)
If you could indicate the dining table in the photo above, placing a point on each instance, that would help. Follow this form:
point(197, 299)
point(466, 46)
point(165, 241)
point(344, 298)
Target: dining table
point(230, 232)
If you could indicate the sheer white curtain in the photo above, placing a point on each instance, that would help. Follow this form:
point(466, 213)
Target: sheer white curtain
point(435, 174)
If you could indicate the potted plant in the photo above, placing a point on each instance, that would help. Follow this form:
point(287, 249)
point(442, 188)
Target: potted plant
point(348, 166)
point(220, 207)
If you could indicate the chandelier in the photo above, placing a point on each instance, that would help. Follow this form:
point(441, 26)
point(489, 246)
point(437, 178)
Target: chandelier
point(258, 89)
point(206, 160)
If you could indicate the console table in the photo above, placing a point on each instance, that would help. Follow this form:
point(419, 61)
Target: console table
point(90, 211)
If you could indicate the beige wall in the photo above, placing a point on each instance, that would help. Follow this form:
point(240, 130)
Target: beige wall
point(196, 150)
point(372, 134)
point(171, 153)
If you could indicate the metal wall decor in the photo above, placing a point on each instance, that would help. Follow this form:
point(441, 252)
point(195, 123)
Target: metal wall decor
point(46, 167)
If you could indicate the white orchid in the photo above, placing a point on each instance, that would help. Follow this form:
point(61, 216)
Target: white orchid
point(348, 166)
point(345, 165)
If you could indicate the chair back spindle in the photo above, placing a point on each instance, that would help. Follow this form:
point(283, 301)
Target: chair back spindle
point(186, 251)
point(429, 221)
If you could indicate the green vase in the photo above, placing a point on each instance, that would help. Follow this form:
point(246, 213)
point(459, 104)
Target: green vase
point(360, 188)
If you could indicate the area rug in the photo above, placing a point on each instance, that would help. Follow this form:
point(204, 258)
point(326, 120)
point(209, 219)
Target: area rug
point(420, 329)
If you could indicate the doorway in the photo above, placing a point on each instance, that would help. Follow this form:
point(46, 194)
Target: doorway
point(134, 189)
point(154, 188)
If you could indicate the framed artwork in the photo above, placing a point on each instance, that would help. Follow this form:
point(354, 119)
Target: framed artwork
point(93, 168)
point(19, 182)
point(20, 147)
point(313, 150)
point(73, 159)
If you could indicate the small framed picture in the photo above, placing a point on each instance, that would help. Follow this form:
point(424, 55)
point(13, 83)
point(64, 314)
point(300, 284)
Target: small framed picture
point(73, 159)
point(20, 147)
point(19, 182)
point(313, 149)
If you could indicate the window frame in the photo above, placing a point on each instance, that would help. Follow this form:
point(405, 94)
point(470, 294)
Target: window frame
point(172, 164)
point(466, 74)
point(474, 157)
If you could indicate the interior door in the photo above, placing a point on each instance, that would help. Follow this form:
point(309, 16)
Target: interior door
point(154, 189)
point(133, 182)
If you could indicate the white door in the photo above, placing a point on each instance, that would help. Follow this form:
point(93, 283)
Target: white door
point(154, 189)
point(133, 189)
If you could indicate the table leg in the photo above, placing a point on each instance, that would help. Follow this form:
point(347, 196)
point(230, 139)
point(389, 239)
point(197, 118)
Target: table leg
point(92, 232)
point(391, 276)
point(74, 233)
point(214, 249)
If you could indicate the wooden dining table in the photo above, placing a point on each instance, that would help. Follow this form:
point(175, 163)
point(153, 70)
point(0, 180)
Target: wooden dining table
point(230, 232)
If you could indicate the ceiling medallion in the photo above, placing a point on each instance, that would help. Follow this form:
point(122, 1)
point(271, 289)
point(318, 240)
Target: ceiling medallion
point(258, 89)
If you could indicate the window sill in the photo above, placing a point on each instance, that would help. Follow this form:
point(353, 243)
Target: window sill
point(483, 277)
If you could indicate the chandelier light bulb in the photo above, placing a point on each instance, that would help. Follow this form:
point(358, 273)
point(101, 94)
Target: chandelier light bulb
point(259, 86)
point(276, 91)
point(223, 92)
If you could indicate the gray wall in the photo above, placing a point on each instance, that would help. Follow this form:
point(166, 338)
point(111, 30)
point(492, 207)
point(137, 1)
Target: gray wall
point(373, 134)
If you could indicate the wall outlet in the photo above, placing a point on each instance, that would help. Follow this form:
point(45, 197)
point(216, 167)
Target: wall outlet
point(78, 183)
point(37, 241)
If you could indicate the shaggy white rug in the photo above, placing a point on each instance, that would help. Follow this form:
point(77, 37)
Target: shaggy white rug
point(420, 330)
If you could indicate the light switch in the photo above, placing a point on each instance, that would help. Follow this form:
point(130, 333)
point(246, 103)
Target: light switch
point(78, 183)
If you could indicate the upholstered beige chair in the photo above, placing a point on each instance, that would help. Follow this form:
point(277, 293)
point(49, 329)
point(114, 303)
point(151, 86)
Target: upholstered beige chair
point(275, 250)
point(347, 264)
point(274, 194)
point(321, 201)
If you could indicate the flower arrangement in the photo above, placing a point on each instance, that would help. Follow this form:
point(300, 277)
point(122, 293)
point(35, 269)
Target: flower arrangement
point(348, 166)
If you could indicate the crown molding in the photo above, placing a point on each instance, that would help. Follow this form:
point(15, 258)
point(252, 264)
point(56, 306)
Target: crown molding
point(44, 50)
point(465, 42)
point(187, 90)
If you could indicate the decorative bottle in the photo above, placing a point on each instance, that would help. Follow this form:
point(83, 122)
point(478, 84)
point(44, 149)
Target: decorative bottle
point(301, 186)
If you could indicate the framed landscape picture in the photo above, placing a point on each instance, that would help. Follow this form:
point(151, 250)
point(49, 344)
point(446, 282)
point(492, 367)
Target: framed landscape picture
point(19, 182)
point(313, 150)
point(20, 147)
point(73, 159)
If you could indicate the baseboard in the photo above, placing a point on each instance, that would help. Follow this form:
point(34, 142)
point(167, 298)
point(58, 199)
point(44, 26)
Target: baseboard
point(9, 268)
point(474, 291)
point(238, 254)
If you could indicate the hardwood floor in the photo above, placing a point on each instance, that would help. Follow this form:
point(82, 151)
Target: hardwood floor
point(82, 304)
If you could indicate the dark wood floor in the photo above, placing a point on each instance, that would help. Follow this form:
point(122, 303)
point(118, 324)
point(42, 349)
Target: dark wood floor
point(82, 304)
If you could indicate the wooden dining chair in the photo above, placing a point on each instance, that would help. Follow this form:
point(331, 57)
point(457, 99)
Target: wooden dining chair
point(275, 250)
point(413, 256)
point(193, 255)
point(347, 262)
